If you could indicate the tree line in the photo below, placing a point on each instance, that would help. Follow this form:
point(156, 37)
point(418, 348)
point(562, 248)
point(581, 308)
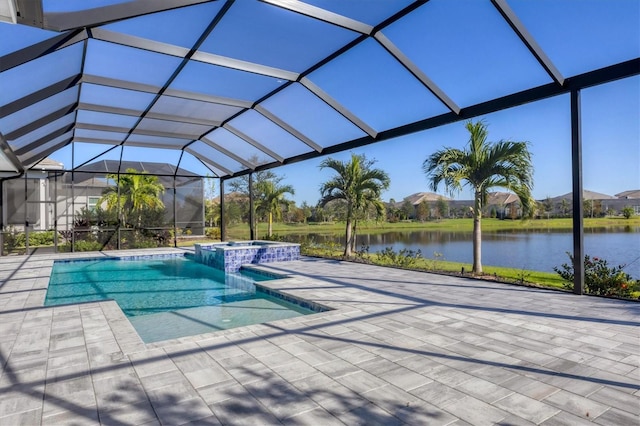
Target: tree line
point(353, 193)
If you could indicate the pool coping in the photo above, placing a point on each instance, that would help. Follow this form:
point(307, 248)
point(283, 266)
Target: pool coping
point(401, 347)
point(125, 333)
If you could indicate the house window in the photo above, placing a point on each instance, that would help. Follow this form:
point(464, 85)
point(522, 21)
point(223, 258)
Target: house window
point(92, 202)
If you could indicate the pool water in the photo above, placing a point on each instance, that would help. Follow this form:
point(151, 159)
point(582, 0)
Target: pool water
point(170, 297)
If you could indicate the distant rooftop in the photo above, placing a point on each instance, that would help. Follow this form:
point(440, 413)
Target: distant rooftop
point(632, 194)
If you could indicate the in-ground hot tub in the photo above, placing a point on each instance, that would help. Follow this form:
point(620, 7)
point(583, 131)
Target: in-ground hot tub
point(230, 256)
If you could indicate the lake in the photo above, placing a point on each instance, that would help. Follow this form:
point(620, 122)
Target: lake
point(533, 250)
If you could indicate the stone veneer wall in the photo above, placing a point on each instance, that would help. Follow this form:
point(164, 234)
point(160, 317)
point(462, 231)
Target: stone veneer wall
point(231, 258)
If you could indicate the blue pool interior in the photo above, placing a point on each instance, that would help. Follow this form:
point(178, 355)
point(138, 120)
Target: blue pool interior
point(170, 297)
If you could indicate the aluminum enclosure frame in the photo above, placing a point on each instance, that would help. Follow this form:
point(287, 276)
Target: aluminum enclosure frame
point(88, 27)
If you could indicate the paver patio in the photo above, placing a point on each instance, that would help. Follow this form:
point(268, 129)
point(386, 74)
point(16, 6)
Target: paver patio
point(400, 347)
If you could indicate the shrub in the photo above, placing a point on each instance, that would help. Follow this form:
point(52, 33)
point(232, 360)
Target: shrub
point(41, 238)
point(14, 240)
point(82, 246)
point(433, 264)
point(310, 247)
point(212, 233)
point(274, 237)
point(627, 212)
point(404, 258)
point(599, 278)
point(362, 255)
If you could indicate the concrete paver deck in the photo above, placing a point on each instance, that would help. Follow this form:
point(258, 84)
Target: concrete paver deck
point(400, 347)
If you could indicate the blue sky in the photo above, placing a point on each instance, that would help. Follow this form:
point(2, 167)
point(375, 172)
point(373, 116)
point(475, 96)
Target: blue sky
point(464, 47)
point(611, 146)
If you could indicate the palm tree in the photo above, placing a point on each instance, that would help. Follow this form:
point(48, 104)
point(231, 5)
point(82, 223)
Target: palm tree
point(564, 207)
point(133, 193)
point(271, 200)
point(482, 166)
point(359, 186)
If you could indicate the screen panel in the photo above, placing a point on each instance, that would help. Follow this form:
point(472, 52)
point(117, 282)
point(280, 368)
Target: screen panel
point(191, 108)
point(258, 32)
point(186, 24)
point(585, 35)
point(225, 82)
point(374, 86)
point(128, 63)
point(229, 141)
point(468, 50)
point(43, 131)
point(115, 97)
point(38, 110)
point(34, 75)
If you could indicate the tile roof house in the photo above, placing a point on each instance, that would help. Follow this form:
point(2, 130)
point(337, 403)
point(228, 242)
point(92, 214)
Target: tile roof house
point(629, 195)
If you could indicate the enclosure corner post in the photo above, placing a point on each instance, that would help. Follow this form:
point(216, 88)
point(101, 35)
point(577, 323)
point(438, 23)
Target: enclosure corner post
point(175, 213)
point(252, 221)
point(223, 226)
point(576, 162)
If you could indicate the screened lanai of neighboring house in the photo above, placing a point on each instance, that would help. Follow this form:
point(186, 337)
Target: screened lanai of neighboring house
point(226, 88)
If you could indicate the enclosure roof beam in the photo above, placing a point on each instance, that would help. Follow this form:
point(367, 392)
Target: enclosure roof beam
point(103, 15)
point(43, 121)
point(138, 42)
point(207, 166)
point(323, 15)
point(97, 141)
point(39, 95)
point(518, 27)
point(43, 140)
point(208, 98)
point(152, 145)
point(38, 50)
point(208, 160)
point(154, 115)
point(119, 84)
point(146, 132)
point(147, 88)
point(38, 156)
point(253, 142)
point(228, 153)
point(129, 143)
point(157, 116)
point(10, 155)
point(293, 132)
point(416, 72)
point(237, 64)
point(342, 110)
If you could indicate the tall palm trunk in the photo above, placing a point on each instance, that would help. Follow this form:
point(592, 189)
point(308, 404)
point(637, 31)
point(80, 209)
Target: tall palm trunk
point(354, 235)
point(347, 243)
point(270, 227)
point(477, 234)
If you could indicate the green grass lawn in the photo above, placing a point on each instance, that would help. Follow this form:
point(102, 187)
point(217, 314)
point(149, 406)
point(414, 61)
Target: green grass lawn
point(450, 225)
point(521, 276)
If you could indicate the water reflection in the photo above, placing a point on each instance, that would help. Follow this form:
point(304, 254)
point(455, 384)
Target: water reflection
point(536, 250)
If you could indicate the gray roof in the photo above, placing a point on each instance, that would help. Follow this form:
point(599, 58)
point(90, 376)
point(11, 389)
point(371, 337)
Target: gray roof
point(586, 195)
point(632, 194)
point(501, 198)
point(428, 197)
point(164, 171)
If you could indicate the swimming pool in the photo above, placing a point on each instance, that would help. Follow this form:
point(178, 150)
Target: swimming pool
point(170, 297)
